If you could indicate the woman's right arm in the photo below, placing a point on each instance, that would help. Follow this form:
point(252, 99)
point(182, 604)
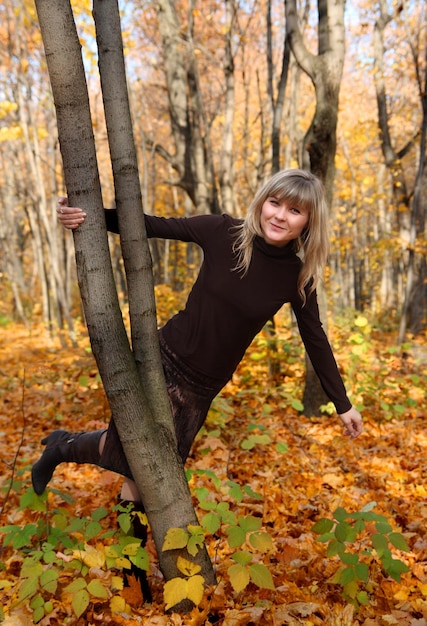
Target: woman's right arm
point(70, 217)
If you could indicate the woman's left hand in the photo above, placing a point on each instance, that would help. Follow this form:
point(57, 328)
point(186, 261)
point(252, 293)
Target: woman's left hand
point(352, 421)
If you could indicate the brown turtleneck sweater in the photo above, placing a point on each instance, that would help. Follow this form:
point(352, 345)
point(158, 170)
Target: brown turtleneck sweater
point(225, 311)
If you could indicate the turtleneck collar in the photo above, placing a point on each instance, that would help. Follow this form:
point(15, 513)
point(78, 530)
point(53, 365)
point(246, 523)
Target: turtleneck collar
point(280, 252)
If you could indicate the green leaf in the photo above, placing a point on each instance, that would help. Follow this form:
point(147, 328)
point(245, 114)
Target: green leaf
point(49, 580)
point(80, 602)
point(297, 405)
point(37, 601)
point(239, 577)
point(347, 575)
point(249, 523)
point(176, 538)
point(326, 537)
point(242, 556)
point(99, 513)
point(335, 547)
point(362, 598)
point(92, 529)
point(124, 521)
point(359, 526)
point(141, 559)
point(31, 569)
point(349, 558)
point(344, 532)
point(282, 447)
point(395, 568)
point(77, 585)
point(398, 541)
point(350, 589)
point(236, 536)
point(195, 543)
point(380, 544)
point(38, 614)
point(362, 572)
point(28, 588)
point(211, 523)
point(30, 500)
point(323, 526)
point(251, 493)
point(261, 576)
point(340, 514)
point(97, 589)
point(235, 491)
point(261, 541)
point(383, 527)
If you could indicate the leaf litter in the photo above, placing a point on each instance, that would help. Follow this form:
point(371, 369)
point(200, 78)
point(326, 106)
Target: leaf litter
point(44, 386)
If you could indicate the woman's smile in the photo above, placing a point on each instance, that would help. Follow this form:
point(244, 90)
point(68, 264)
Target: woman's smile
point(282, 222)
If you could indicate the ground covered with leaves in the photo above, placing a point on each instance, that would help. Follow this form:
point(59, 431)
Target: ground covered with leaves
point(260, 456)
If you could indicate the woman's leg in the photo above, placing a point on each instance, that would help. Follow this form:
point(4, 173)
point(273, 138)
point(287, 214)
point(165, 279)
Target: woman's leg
point(65, 447)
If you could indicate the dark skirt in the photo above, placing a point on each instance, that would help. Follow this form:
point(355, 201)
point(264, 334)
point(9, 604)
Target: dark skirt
point(190, 395)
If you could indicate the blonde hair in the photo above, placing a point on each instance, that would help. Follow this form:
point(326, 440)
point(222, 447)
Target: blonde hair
point(301, 189)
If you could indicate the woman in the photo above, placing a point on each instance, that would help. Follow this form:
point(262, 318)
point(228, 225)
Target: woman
point(251, 267)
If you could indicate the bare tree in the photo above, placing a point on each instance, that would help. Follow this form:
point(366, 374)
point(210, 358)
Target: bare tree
point(410, 209)
point(320, 142)
point(192, 159)
point(139, 409)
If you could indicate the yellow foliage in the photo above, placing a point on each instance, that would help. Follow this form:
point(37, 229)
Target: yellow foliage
point(239, 577)
point(179, 589)
point(11, 133)
point(188, 568)
point(119, 605)
point(7, 107)
point(90, 556)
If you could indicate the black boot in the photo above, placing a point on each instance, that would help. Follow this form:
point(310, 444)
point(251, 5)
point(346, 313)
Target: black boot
point(62, 446)
point(140, 531)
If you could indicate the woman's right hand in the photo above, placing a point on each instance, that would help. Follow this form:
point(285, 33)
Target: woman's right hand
point(70, 217)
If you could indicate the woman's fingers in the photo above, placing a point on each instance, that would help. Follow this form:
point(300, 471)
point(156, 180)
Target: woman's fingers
point(69, 217)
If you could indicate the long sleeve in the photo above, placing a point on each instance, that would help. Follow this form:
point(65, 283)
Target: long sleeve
point(320, 352)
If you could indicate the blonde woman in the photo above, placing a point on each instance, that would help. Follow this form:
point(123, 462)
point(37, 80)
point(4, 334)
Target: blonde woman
point(250, 268)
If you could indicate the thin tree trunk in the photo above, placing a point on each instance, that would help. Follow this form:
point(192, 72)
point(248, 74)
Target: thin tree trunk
point(325, 71)
point(136, 254)
point(149, 445)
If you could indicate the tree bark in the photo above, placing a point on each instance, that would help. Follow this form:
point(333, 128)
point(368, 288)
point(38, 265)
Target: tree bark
point(193, 156)
point(138, 266)
point(149, 446)
point(325, 71)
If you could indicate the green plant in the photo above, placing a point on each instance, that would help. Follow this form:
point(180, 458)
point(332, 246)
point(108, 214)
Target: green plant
point(57, 546)
point(243, 534)
point(355, 538)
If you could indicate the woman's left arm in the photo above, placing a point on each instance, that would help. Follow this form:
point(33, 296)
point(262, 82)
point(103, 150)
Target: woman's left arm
point(323, 361)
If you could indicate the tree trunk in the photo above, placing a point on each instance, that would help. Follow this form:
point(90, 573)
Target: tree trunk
point(325, 72)
point(226, 163)
point(193, 155)
point(149, 445)
point(138, 266)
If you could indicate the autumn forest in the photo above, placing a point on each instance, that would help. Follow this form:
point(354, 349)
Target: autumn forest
point(301, 525)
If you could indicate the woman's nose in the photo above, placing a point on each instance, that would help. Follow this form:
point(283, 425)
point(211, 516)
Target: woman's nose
point(281, 213)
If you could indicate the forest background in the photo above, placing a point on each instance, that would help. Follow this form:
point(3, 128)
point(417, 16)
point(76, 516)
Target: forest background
point(376, 279)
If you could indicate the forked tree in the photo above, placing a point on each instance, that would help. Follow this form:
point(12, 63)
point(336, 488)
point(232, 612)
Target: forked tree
point(131, 373)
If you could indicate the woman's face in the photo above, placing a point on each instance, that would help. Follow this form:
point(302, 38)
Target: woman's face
point(281, 222)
